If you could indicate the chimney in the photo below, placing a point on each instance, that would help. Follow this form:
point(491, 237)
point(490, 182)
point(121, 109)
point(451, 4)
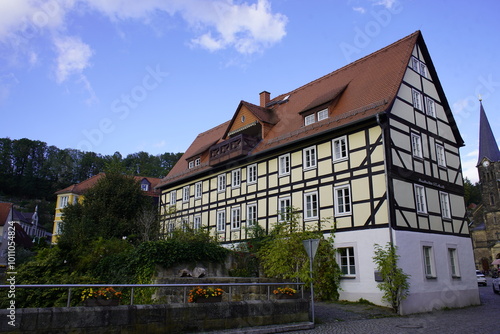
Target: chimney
point(265, 97)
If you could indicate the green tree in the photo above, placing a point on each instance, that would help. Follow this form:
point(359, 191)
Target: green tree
point(283, 256)
point(109, 210)
point(472, 192)
point(395, 283)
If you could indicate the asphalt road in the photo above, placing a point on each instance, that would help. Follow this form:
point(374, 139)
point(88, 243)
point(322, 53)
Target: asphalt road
point(482, 319)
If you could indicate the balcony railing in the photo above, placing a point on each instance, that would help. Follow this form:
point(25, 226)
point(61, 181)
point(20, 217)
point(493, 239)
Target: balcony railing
point(235, 147)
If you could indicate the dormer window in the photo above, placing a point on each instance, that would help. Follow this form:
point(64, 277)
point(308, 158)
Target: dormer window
point(144, 187)
point(309, 119)
point(191, 164)
point(316, 117)
point(197, 162)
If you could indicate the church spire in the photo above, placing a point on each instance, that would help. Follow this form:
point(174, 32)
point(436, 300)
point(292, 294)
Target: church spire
point(488, 147)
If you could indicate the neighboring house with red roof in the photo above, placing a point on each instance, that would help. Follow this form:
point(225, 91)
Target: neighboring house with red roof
point(11, 220)
point(75, 193)
point(373, 145)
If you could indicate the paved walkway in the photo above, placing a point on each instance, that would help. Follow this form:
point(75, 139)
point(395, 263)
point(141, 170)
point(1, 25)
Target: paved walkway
point(358, 318)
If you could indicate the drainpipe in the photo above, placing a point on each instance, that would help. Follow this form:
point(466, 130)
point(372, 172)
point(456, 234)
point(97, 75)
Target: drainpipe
point(391, 237)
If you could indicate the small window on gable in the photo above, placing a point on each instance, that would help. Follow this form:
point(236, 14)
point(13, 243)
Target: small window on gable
point(416, 145)
point(144, 186)
point(430, 107)
point(419, 67)
point(309, 119)
point(417, 99)
point(191, 164)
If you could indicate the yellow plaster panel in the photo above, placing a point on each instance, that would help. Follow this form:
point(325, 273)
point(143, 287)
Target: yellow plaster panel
point(357, 140)
point(262, 182)
point(377, 154)
point(379, 186)
point(343, 222)
point(357, 158)
point(325, 167)
point(359, 189)
point(297, 175)
point(296, 158)
point(325, 196)
point(273, 180)
point(273, 165)
point(361, 213)
point(381, 217)
point(374, 134)
point(324, 150)
point(340, 166)
point(284, 180)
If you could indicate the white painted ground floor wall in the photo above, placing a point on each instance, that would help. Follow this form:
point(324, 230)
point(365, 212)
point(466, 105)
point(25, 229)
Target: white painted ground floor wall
point(426, 294)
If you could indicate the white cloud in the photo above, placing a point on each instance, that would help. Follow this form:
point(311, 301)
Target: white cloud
point(386, 3)
point(469, 169)
point(360, 10)
point(73, 57)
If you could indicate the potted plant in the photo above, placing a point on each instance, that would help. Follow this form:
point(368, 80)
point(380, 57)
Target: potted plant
point(101, 297)
point(205, 295)
point(285, 293)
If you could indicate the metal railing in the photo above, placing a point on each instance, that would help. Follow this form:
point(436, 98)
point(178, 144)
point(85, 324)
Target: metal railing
point(70, 287)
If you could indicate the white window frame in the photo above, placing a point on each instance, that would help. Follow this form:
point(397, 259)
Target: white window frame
point(197, 222)
point(198, 190)
point(284, 164)
point(252, 174)
point(322, 114)
point(440, 155)
point(416, 145)
point(428, 261)
point(251, 214)
point(191, 164)
point(221, 221)
point(185, 194)
point(339, 149)
point(415, 64)
point(173, 197)
point(63, 202)
point(236, 178)
point(341, 207)
point(235, 218)
point(453, 261)
point(309, 119)
point(423, 69)
point(444, 199)
point(347, 261)
point(283, 204)
point(420, 199)
point(221, 182)
point(311, 205)
point(417, 99)
point(310, 159)
point(144, 186)
point(430, 107)
point(197, 161)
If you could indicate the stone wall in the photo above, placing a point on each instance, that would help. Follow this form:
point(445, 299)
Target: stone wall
point(164, 318)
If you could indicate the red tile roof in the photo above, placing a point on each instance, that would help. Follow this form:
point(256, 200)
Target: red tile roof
point(355, 92)
point(82, 187)
point(4, 212)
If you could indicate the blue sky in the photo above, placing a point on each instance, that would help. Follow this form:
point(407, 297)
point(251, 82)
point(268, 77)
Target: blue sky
point(130, 76)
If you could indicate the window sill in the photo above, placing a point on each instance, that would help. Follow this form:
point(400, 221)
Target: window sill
point(456, 277)
point(339, 160)
point(305, 169)
point(348, 277)
point(431, 277)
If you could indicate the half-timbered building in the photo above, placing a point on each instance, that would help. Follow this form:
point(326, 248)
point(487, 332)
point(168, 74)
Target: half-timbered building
point(372, 145)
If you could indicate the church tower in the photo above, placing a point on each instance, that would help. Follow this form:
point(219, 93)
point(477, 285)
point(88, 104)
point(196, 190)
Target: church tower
point(488, 166)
